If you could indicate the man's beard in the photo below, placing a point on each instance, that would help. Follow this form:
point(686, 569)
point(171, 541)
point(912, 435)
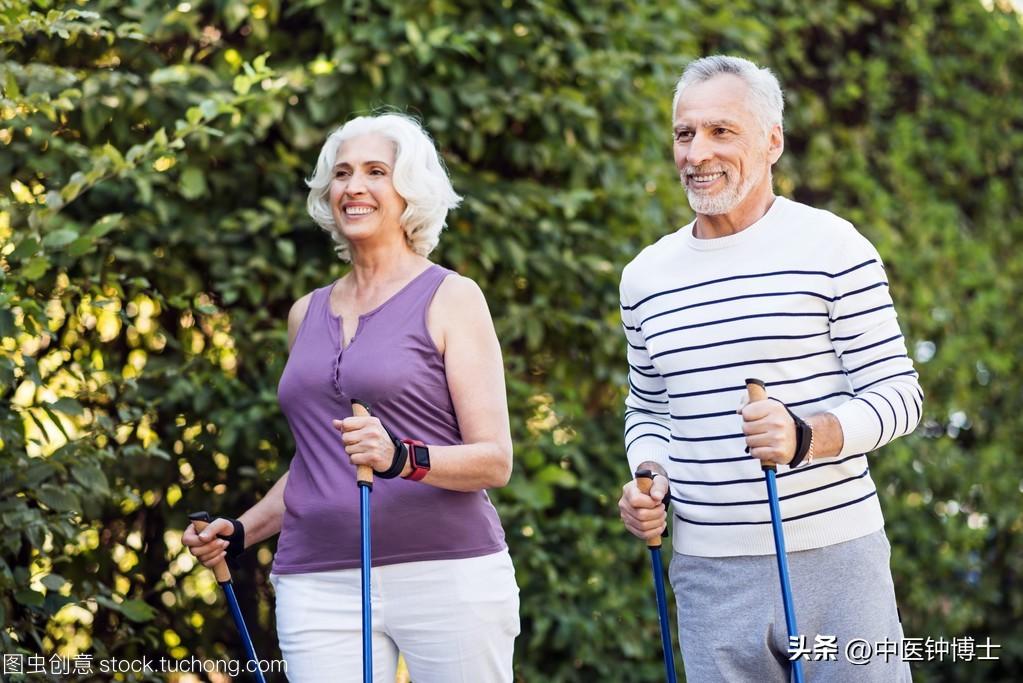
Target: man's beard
point(725, 199)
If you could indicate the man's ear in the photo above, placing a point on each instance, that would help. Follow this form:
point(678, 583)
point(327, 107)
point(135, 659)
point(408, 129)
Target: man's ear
point(776, 143)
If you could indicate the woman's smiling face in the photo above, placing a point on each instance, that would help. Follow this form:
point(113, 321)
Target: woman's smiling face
point(362, 195)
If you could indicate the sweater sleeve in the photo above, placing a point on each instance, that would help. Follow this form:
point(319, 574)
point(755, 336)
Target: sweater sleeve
point(647, 419)
point(887, 398)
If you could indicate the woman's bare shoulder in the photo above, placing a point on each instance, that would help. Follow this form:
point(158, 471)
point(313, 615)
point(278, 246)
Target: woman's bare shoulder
point(296, 315)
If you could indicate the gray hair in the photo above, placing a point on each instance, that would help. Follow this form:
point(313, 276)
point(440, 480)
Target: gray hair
point(766, 98)
point(419, 177)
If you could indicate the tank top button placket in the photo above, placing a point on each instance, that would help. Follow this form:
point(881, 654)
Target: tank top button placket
point(337, 366)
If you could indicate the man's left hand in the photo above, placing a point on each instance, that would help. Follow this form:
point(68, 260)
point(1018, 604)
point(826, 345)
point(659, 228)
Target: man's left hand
point(770, 431)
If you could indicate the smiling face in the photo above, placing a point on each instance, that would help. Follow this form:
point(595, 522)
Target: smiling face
point(363, 200)
point(722, 152)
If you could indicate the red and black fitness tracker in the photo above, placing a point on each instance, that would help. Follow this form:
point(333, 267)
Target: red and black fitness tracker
point(419, 458)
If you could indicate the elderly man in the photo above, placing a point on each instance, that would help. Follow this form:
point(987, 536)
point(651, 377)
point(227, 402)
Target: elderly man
point(762, 286)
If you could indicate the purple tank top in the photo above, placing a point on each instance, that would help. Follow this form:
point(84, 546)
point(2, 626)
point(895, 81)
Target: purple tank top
point(392, 364)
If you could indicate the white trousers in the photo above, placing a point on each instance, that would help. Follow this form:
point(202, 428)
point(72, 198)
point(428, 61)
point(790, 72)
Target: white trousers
point(454, 621)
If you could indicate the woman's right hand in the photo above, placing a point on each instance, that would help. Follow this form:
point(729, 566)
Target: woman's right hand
point(207, 547)
point(366, 441)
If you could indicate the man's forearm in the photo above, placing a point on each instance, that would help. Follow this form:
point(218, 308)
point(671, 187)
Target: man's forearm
point(828, 438)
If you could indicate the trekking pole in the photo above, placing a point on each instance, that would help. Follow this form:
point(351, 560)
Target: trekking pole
point(645, 480)
point(757, 392)
point(223, 574)
point(364, 478)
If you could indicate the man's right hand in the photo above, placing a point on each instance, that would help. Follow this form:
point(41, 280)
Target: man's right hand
point(207, 547)
point(644, 514)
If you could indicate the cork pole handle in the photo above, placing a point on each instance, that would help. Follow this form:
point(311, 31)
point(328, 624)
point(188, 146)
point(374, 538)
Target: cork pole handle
point(201, 520)
point(363, 473)
point(645, 482)
point(757, 391)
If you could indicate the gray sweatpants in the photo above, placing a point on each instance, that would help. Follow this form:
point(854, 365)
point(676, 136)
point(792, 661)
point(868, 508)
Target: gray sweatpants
point(732, 621)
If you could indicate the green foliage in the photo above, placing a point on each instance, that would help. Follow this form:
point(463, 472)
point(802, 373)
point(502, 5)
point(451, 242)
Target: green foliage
point(154, 237)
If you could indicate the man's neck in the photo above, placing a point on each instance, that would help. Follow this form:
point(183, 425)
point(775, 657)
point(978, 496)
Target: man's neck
point(750, 210)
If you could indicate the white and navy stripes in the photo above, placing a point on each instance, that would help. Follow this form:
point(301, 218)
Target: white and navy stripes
point(801, 301)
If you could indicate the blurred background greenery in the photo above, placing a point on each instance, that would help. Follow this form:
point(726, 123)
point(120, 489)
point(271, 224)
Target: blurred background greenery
point(154, 236)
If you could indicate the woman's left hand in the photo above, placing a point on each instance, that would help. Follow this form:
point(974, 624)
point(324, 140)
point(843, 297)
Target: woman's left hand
point(366, 442)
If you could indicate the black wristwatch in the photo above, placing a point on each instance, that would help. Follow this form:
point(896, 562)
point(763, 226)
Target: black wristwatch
point(419, 458)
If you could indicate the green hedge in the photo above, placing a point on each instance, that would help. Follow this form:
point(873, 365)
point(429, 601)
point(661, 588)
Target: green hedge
point(154, 237)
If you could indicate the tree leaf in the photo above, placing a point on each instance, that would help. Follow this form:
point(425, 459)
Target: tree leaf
point(57, 499)
point(68, 406)
point(91, 477)
point(7, 328)
point(56, 420)
point(53, 582)
point(81, 246)
point(59, 238)
point(35, 268)
point(27, 247)
point(137, 610)
point(192, 183)
point(29, 598)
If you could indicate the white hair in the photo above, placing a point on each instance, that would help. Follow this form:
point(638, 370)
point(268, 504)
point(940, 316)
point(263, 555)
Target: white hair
point(765, 99)
point(419, 177)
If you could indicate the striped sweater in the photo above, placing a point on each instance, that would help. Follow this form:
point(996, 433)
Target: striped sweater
point(800, 300)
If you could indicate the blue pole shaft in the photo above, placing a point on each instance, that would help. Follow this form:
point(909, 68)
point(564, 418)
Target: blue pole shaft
point(239, 621)
point(783, 568)
point(662, 614)
point(367, 604)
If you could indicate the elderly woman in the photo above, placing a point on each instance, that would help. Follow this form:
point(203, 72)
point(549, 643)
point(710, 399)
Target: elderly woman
point(416, 342)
